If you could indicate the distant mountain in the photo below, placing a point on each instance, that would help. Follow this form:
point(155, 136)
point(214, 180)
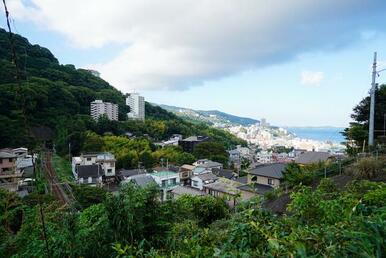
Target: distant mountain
point(212, 117)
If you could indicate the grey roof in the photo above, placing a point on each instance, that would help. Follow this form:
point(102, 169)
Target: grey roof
point(180, 190)
point(5, 155)
point(227, 173)
point(142, 180)
point(210, 164)
point(195, 138)
point(225, 186)
point(243, 179)
point(130, 172)
point(270, 170)
point(256, 188)
point(207, 176)
point(310, 157)
point(86, 171)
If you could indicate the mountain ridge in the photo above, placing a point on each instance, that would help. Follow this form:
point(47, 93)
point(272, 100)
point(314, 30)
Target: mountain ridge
point(213, 117)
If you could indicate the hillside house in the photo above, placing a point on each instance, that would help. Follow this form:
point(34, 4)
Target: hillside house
point(167, 181)
point(269, 175)
point(106, 160)
point(199, 181)
point(312, 157)
point(89, 174)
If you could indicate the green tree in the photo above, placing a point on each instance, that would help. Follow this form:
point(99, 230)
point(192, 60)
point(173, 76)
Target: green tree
point(357, 131)
point(211, 150)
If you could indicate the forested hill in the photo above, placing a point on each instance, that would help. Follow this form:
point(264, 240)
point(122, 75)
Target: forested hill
point(56, 98)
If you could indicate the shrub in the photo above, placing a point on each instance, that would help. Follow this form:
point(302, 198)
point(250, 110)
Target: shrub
point(367, 168)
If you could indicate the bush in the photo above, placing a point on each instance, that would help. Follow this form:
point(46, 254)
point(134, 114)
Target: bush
point(367, 168)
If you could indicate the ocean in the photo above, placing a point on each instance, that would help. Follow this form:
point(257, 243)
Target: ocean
point(318, 133)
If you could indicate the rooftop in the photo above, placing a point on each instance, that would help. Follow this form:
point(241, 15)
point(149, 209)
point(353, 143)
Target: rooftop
point(310, 157)
point(5, 155)
point(180, 190)
point(227, 173)
point(256, 188)
point(269, 170)
point(207, 176)
point(164, 174)
point(210, 164)
point(188, 167)
point(142, 180)
point(196, 138)
point(225, 186)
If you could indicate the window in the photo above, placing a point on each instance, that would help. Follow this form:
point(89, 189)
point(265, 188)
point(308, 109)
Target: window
point(10, 159)
point(164, 183)
point(88, 159)
point(195, 183)
point(173, 181)
point(1, 161)
point(109, 170)
point(270, 181)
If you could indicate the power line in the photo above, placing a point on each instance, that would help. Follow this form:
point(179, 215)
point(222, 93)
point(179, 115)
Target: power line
point(12, 43)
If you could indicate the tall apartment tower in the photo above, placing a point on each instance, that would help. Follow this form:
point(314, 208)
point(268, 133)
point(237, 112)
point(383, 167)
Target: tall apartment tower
point(137, 106)
point(99, 108)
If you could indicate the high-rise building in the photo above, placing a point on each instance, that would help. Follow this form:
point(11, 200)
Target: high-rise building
point(99, 108)
point(137, 106)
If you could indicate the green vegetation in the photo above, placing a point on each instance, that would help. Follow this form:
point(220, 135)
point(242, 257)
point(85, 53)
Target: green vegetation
point(62, 169)
point(325, 222)
point(211, 150)
point(357, 133)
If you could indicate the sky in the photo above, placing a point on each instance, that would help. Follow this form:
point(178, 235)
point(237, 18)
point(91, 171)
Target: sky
point(295, 62)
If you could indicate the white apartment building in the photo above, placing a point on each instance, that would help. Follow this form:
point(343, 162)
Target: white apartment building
point(99, 108)
point(137, 106)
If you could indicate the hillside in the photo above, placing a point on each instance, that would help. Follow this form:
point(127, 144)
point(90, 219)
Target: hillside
point(53, 99)
point(212, 117)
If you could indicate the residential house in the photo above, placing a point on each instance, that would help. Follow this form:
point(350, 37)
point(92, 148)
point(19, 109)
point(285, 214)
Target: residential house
point(186, 171)
point(270, 174)
point(311, 157)
point(264, 157)
point(166, 180)
point(173, 141)
point(9, 175)
point(199, 181)
point(7, 163)
point(234, 156)
point(89, 174)
point(205, 165)
point(105, 159)
point(189, 143)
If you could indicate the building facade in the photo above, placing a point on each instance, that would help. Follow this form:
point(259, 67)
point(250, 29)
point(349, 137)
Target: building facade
point(99, 108)
point(137, 106)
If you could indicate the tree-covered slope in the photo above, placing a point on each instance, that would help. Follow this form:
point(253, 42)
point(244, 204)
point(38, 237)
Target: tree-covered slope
point(44, 93)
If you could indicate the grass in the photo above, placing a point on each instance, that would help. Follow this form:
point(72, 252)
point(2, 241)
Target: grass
point(62, 169)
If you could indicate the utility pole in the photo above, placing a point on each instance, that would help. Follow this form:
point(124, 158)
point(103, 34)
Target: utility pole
point(372, 102)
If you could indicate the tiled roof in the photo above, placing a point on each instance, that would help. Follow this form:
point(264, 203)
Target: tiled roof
point(310, 157)
point(180, 190)
point(256, 188)
point(269, 170)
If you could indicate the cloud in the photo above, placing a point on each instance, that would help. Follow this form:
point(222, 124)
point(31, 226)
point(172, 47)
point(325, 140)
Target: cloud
point(177, 44)
point(311, 78)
